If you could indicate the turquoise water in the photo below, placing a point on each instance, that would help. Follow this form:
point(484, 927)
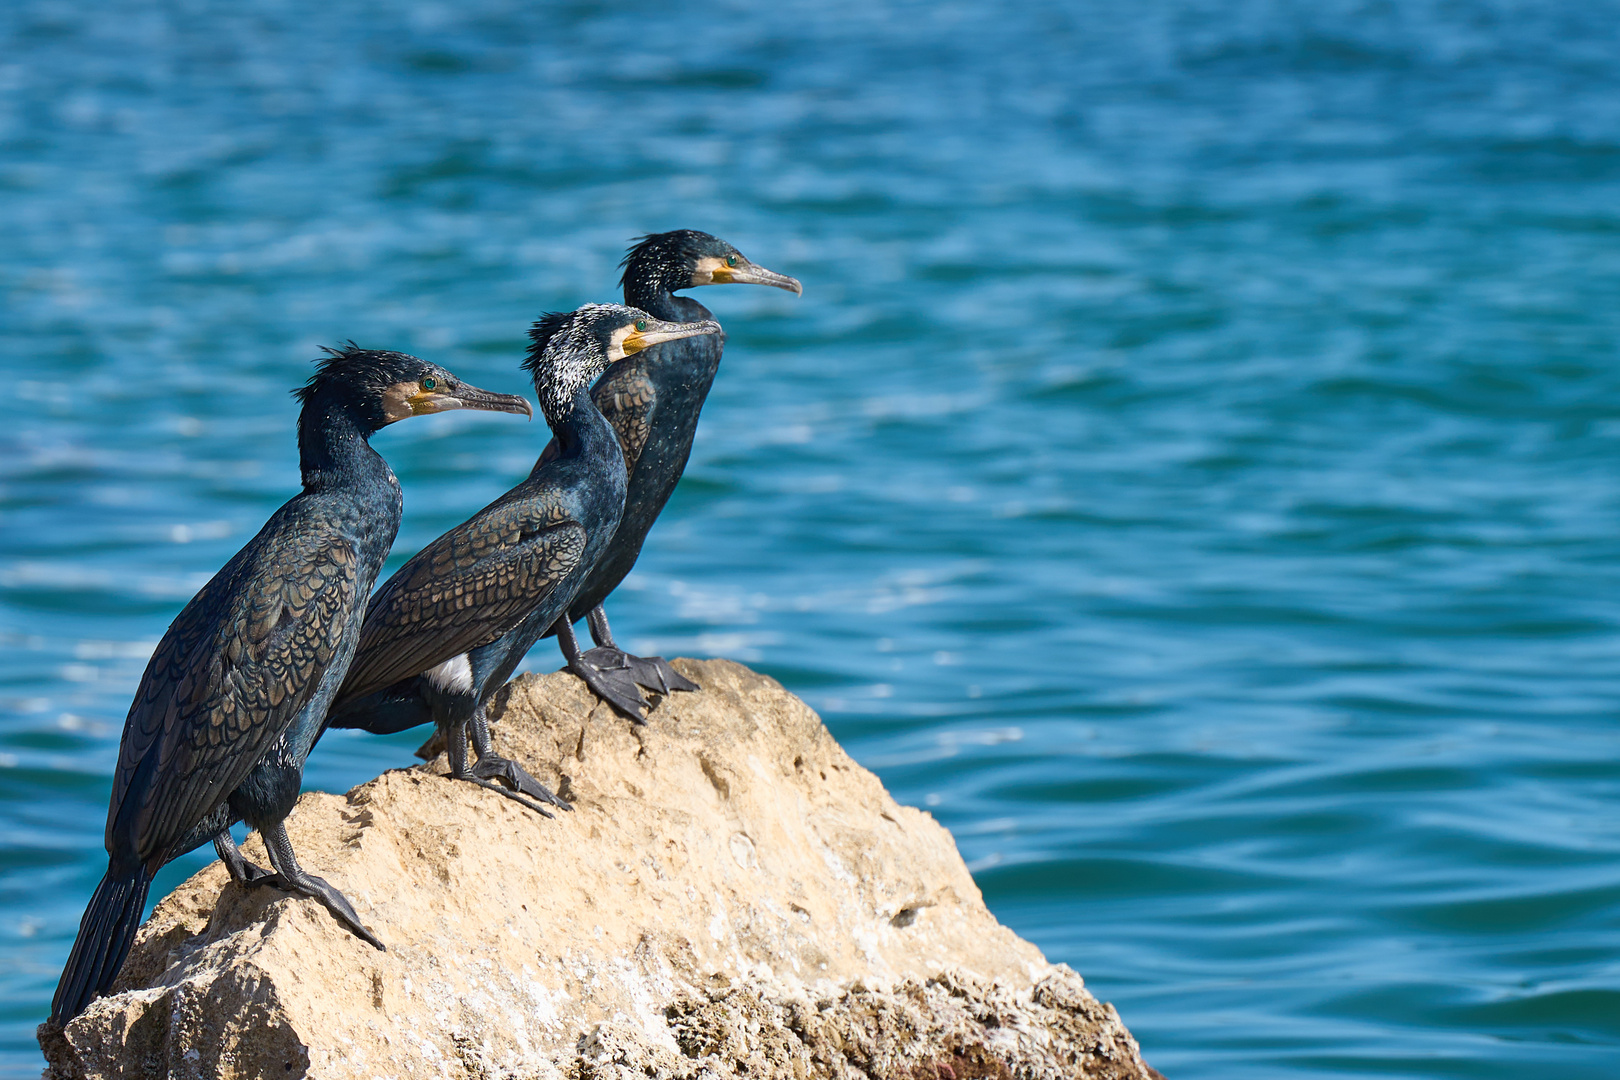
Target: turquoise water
point(1189, 471)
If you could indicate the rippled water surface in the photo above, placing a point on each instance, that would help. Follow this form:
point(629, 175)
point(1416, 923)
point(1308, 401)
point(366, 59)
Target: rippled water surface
point(1190, 471)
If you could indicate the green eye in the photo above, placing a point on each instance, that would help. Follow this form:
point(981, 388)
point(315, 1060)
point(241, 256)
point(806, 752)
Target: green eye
point(731, 260)
point(429, 383)
point(641, 325)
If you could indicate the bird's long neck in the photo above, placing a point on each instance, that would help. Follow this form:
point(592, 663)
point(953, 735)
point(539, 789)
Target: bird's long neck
point(333, 451)
point(655, 298)
point(579, 425)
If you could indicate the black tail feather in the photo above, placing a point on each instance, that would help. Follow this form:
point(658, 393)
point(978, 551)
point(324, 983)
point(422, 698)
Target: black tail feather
point(105, 934)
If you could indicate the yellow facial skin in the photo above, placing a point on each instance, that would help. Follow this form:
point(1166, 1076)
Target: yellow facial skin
point(711, 271)
point(428, 401)
point(616, 349)
point(406, 399)
point(645, 333)
point(736, 270)
point(397, 403)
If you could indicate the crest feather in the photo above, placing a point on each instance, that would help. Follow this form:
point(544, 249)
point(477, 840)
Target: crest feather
point(567, 350)
point(344, 363)
point(540, 334)
point(666, 255)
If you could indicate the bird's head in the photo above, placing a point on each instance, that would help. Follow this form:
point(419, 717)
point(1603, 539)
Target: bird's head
point(378, 388)
point(686, 258)
point(569, 349)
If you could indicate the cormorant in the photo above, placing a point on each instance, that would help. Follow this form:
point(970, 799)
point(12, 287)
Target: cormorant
point(448, 629)
point(233, 697)
point(652, 399)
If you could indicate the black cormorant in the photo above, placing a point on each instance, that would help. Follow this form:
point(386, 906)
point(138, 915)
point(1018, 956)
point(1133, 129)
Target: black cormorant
point(448, 629)
point(233, 697)
point(652, 399)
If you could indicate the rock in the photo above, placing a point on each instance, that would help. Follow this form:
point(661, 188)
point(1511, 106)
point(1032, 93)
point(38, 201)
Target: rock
point(732, 896)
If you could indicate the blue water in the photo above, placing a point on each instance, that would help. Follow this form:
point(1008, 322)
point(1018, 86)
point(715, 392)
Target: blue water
point(1190, 471)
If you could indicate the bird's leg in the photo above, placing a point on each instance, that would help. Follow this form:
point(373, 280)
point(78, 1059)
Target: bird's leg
point(491, 766)
point(653, 672)
point(290, 877)
point(242, 872)
point(455, 748)
point(613, 684)
point(601, 633)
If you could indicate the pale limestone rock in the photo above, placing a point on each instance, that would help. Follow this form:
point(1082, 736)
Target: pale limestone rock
point(732, 896)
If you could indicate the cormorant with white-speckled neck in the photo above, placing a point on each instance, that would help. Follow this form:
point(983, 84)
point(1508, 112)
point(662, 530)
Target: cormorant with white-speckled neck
point(449, 628)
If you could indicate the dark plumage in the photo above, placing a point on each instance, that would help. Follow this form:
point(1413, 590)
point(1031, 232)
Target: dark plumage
point(448, 629)
point(653, 399)
point(232, 698)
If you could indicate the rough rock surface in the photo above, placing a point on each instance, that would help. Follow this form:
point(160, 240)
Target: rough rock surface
point(732, 896)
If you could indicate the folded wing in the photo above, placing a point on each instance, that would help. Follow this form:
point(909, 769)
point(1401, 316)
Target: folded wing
point(467, 588)
point(225, 682)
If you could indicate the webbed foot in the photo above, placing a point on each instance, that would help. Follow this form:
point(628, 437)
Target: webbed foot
point(316, 888)
point(615, 686)
point(652, 672)
point(500, 789)
point(516, 777)
point(290, 877)
point(515, 782)
point(242, 872)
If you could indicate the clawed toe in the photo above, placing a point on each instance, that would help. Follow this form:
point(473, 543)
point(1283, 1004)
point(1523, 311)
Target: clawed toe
point(251, 876)
point(618, 688)
point(515, 783)
point(242, 872)
point(652, 672)
point(514, 776)
point(317, 888)
point(614, 686)
point(501, 789)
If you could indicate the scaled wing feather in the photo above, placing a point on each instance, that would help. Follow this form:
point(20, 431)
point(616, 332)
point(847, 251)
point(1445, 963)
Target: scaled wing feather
point(225, 682)
point(465, 589)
